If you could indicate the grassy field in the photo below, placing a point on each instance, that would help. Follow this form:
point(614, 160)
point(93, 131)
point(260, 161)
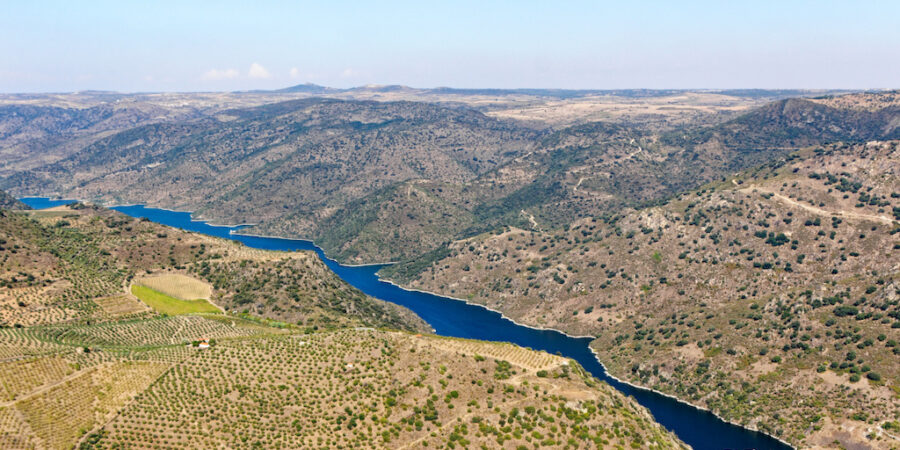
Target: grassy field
point(165, 304)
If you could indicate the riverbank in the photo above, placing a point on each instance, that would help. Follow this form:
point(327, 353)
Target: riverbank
point(457, 318)
point(597, 358)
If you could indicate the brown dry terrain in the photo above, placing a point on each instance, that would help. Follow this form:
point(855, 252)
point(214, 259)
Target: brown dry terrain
point(736, 297)
point(9, 202)
point(331, 165)
point(677, 108)
point(86, 365)
point(372, 389)
point(735, 249)
point(143, 384)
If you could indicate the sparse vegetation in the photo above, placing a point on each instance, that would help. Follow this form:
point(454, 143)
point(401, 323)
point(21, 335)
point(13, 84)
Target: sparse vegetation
point(728, 298)
point(741, 262)
point(184, 373)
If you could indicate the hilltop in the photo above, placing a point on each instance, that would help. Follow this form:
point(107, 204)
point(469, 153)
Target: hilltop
point(735, 296)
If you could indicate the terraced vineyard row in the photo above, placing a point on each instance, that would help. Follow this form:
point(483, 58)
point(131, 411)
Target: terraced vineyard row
point(19, 343)
point(500, 350)
point(23, 376)
point(370, 389)
point(14, 431)
point(60, 415)
point(153, 332)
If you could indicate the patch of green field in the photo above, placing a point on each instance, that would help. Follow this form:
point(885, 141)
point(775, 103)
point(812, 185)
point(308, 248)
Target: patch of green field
point(165, 304)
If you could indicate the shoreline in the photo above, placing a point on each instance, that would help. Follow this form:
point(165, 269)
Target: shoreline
point(235, 231)
point(697, 407)
point(192, 217)
point(313, 243)
point(502, 315)
point(599, 361)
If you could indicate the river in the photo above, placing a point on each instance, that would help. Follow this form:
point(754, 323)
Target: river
point(450, 317)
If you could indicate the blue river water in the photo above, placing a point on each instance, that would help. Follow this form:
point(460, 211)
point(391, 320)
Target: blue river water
point(449, 317)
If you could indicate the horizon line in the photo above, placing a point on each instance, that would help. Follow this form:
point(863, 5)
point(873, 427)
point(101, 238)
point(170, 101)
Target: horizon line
point(285, 90)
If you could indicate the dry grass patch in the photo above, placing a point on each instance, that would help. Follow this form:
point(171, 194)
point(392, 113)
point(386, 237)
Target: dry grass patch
point(120, 305)
point(179, 286)
point(20, 377)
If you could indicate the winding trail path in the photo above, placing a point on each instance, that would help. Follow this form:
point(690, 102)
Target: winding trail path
point(819, 211)
point(530, 218)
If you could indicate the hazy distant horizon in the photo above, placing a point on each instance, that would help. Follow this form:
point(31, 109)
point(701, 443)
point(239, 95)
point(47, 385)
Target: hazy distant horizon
point(482, 88)
point(173, 46)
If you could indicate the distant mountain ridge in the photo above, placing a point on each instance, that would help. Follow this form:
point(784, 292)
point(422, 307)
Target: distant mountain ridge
point(309, 88)
point(390, 180)
point(553, 92)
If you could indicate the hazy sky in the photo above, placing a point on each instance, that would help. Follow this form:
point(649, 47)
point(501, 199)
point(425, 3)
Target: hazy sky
point(189, 45)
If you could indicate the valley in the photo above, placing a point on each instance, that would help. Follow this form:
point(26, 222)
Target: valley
point(459, 319)
point(731, 296)
point(388, 180)
point(85, 363)
point(727, 254)
point(450, 225)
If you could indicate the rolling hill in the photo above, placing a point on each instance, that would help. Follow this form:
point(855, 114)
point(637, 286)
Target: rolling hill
point(85, 364)
point(736, 296)
point(336, 171)
point(288, 163)
point(65, 264)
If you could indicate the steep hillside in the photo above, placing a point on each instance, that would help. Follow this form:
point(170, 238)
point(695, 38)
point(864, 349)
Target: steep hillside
point(74, 264)
point(398, 222)
point(283, 355)
point(588, 169)
point(251, 385)
point(289, 165)
point(336, 171)
point(9, 202)
point(757, 136)
point(34, 135)
point(770, 297)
